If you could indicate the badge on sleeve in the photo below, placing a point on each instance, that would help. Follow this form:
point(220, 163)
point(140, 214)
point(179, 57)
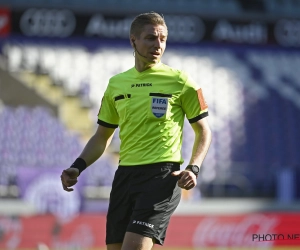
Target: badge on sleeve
point(159, 106)
point(203, 104)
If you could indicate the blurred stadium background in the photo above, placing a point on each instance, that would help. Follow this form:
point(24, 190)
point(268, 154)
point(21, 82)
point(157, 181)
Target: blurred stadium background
point(55, 61)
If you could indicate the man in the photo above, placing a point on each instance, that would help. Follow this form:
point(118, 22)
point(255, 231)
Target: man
point(148, 103)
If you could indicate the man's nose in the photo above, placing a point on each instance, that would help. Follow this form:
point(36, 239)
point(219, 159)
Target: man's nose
point(158, 43)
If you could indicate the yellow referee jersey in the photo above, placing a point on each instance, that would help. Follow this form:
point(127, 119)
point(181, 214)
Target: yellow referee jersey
point(149, 107)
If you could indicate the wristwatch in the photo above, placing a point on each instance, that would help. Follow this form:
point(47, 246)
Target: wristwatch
point(193, 168)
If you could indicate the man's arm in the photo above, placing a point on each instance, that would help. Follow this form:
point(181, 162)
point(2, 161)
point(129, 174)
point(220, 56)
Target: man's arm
point(97, 144)
point(94, 148)
point(202, 141)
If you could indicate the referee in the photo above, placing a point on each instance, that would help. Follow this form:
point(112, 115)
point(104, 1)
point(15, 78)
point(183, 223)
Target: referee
point(148, 103)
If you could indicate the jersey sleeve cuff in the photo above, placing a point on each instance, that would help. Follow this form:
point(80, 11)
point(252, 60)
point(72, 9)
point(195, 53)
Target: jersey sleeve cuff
point(105, 124)
point(199, 117)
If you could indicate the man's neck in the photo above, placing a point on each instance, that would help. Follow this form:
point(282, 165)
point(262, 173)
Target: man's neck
point(141, 66)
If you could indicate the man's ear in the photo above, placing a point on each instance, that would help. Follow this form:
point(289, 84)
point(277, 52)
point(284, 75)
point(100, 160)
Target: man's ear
point(132, 40)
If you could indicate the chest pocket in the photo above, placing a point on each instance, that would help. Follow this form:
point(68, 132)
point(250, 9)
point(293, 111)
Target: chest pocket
point(159, 106)
point(122, 103)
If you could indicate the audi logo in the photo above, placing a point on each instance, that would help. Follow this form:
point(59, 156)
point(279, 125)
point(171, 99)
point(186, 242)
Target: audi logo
point(287, 32)
point(189, 29)
point(47, 22)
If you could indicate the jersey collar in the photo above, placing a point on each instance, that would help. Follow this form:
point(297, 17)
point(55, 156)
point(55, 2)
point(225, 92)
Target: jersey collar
point(152, 69)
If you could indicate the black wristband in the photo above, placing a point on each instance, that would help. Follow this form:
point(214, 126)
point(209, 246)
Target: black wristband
point(80, 164)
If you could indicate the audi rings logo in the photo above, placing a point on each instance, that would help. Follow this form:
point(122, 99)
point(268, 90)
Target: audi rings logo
point(48, 22)
point(287, 32)
point(189, 29)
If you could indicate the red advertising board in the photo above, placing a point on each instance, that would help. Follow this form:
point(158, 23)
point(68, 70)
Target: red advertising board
point(248, 230)
point(4, 22)
point(87, 231)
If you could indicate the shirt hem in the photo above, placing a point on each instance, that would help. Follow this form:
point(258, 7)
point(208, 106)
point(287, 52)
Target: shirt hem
point(106, 124)
point(199, 117)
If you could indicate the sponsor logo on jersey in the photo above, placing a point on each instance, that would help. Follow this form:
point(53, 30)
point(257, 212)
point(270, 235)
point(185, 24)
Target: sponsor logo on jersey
point(159, 106)
point(138, 85)
point(142, 223)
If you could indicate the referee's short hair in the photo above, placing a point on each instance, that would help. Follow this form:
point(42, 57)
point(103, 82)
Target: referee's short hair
point(143, 19)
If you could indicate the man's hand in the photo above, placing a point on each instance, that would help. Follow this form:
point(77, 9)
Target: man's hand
point(187, 179)
point(69, 178)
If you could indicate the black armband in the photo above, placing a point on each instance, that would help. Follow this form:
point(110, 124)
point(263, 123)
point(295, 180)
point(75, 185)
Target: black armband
point(80, 164)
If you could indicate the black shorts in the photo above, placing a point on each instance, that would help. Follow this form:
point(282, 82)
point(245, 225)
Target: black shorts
point(142, 201)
